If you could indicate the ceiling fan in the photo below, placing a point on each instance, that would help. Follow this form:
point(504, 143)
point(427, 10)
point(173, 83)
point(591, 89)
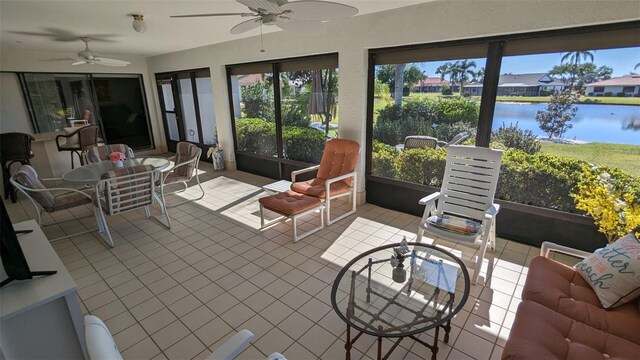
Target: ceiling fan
point(299, 16)
point(89, 57)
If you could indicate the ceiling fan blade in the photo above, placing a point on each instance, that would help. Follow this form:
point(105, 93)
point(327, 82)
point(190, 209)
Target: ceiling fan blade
point(300, 26)
point(216, 14)
point(65, 36)
point(245, 26)
point(265, 5)
point(81, 62)
point(318, 10)
point(110, 62)
point(58, 59)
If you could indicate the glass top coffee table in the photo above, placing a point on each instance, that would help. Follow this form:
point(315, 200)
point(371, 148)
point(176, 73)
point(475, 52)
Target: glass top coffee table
point(377, 298)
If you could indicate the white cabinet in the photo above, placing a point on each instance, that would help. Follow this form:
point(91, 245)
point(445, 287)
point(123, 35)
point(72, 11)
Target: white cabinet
point(41, 318)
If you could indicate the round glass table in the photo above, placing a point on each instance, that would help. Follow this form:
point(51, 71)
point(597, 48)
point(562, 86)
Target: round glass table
point(400, 290)
point(92, 173)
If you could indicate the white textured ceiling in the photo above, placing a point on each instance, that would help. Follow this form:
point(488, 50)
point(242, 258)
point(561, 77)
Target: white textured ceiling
point(51, 21)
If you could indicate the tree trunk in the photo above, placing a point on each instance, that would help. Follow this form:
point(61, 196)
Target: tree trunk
point(328, 102)
point(399, 84)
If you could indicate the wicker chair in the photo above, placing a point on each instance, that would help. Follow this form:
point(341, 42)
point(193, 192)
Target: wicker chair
point(87, 137)
point(420, 142)
point(14, 147)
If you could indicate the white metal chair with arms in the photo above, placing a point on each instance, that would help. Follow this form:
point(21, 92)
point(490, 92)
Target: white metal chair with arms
point(463, 211)
point(50, 199)
point(127, 189)
point(336, 176)
point(186, 161)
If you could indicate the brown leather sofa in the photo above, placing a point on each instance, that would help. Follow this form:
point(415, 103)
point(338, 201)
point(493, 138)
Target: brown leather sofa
point(560, 317)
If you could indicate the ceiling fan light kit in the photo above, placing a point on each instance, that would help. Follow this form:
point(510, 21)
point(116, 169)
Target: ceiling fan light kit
point(138, 23)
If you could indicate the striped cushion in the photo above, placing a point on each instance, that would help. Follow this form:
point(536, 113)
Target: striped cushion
point(184, 152)
point(27, 177)
point(455, 224)
point(72, 199)
point(117, 200)
point(102, 152)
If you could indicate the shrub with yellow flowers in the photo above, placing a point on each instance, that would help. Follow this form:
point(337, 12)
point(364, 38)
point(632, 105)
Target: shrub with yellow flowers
point(612, 199)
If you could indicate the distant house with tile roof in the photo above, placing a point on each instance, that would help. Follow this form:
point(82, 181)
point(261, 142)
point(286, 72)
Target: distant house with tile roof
point(521, 85)
point(250, 79)
point(628, 85)
point(430, 85)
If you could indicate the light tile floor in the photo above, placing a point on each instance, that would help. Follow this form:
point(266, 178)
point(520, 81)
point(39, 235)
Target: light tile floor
point(179, 293)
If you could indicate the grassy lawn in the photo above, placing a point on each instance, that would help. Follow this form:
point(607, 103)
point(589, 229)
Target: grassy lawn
point(624, 157)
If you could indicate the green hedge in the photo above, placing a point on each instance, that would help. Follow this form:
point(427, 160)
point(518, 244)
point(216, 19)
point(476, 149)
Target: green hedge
point(456, 109)
point(257, 101)
point(300, 143)
point(542, 180)
point(439, 117)
point(383, 160)
point(303, 144)
point(256, 135)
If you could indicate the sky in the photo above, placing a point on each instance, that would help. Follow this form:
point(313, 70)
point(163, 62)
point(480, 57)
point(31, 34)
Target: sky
point(621, 60)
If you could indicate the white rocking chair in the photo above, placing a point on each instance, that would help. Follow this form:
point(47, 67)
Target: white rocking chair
point(465, 212)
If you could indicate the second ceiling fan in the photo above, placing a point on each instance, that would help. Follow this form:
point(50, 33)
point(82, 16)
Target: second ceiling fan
point(301, 16)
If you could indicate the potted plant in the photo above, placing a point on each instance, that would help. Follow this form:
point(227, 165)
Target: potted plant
point(399, 273)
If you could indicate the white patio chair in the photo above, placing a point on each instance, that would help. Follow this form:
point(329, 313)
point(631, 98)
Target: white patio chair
point(101, 346)
point(50, 199)
point(126, 189)
point(186, 162)
point(459, 138)
point(463, 211)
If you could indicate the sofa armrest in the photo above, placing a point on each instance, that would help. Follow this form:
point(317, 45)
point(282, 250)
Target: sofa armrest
point(549, 246)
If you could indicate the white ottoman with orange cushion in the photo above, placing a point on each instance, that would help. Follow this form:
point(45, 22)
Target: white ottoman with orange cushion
point(291, 205)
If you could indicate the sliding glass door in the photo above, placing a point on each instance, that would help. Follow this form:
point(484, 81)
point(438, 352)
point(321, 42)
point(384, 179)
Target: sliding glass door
point(116, 103)
point(186, 100)
point(123, 111)
point(58, 99)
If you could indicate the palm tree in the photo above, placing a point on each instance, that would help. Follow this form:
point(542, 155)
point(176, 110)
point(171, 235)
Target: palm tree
point(637, 66)
point(478, 76)
point(444, 70)
point(573, 57)
point(463, 71)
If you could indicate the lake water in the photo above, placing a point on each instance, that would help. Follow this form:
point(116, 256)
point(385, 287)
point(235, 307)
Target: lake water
point(594, 123)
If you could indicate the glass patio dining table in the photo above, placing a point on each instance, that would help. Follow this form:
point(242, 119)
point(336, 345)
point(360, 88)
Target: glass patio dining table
point(92, 173)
